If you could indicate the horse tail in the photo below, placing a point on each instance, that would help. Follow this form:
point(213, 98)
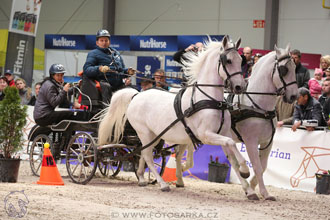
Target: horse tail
point(114, 119)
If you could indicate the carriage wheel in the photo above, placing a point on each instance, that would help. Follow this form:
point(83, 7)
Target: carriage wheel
point(81, 158)
point(37, 151)
point(109, 165)
point(159, 163)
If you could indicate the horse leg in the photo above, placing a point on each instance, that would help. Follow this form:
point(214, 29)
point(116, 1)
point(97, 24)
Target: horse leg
point(179, 167)
point(263, 155)
point(249, 192)
point(251, 147)
point(227, 141)
point(148, 157)
point(140, 173)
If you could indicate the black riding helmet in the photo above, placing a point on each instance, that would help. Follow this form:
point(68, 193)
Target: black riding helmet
point(102, 33)
point(56, 68)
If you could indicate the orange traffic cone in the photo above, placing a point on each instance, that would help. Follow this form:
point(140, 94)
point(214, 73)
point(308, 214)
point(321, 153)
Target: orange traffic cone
point(49, 174)
point(170, 170)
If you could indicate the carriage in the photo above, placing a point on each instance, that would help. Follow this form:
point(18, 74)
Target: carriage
point(75, 142)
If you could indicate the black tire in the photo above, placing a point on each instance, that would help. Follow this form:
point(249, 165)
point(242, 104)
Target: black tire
point(159, 162)
point(37, 152)
point(81, 158)
point(108, 164)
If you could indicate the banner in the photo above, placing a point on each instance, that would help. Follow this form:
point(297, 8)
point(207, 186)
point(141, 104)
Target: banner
point(22, 31)
point(25, 17)
point(294, 159)
point(19, 57)
point(173, 71)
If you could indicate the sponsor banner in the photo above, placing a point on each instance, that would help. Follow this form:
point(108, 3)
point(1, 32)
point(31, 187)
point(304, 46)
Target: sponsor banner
point(120, 43)
point(173, 71)
point(153, 43)
point(72, 42)
point(25, 17)
point(294, 159)
point(19, 57)
point(185, 41)
point(147, 65)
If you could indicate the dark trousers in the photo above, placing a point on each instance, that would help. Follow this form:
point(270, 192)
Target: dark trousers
point(57, 116)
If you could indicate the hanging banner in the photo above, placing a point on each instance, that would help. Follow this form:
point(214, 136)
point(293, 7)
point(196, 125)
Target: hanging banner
point(22, 31)
point(173, 71)
point(25, 16)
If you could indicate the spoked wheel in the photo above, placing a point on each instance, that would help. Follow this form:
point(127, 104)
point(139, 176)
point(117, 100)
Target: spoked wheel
point(37, 151)
point(81, 158)
point(109, 165)
point(159, 163)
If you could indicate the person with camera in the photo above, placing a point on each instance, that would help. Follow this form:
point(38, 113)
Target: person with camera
point(307, 108)
point(178, 56)
point(105, 63)
point(53, 93)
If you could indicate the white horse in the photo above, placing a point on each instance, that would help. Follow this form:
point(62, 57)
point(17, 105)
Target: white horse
point(273, 74)
point(152, 111)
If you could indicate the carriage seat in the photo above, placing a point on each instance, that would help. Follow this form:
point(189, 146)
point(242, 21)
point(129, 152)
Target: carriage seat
point(95, 93)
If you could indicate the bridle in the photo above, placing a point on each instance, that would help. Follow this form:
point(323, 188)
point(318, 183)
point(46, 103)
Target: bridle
point(224, 61)
point(282, 72)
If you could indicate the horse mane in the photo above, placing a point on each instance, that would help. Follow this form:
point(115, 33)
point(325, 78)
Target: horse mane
point(193, 62)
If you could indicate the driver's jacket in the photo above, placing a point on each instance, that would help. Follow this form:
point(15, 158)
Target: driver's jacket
point(105, 57)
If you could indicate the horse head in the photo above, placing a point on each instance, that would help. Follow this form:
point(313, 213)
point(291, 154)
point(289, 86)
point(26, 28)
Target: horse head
point(229, 66)
point(284, 75)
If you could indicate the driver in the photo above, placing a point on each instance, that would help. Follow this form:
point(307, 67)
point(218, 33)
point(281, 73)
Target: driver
point(105, 63)
point(52, 93)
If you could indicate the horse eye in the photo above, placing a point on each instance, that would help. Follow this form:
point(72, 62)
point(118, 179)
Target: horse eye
point(229, 61)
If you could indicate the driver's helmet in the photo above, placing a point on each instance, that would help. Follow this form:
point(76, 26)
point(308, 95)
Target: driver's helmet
point(56, 68)
point(102, 33)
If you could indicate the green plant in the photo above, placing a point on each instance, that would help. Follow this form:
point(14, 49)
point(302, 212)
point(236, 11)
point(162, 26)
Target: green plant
point(12, 120)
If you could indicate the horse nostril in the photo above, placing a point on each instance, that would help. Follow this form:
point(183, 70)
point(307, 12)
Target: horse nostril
point(238, 88)
point(293, 98)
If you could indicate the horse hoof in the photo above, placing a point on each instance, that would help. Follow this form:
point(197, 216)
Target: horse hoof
point(245, 175)
point(179, 185)
point(271, 198)
point(253, 197)
point(165, 189)
point(143, 184)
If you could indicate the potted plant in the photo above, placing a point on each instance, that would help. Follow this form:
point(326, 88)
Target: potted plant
point(217, 171)
point(12, 120)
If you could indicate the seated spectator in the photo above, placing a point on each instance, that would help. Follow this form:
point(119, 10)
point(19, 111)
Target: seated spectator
point(160, 79)
point(325, 91)
point(146, 84)
point(256, 57)
point(247, 67)
point(10, 78)
point(315, 84)
point(327, 73)
point(324, 63)
point(3, 85)
point(284, 112)
point(24, 92)
point(326, 112)
point(302, 73)
point(52, 93)
point(307, 108)
point(36, 91)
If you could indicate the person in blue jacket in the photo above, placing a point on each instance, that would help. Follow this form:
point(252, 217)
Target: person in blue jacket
point(105, 63)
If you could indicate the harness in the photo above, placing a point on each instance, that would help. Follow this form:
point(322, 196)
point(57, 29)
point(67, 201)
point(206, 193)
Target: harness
point(256, 111)
point(195, 107)
point(200, 105)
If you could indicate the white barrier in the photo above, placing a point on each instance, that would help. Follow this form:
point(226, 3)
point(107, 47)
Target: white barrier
point(294, 159)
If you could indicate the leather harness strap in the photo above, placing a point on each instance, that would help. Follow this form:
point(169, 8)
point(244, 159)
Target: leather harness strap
point(195, 107)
